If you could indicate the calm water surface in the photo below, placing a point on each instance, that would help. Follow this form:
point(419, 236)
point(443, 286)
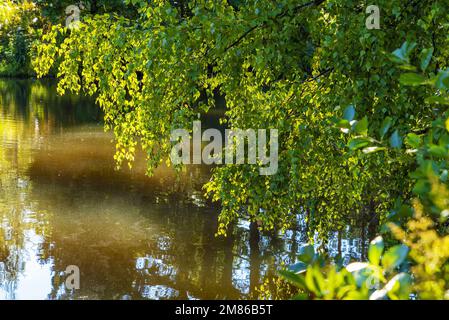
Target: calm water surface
point(63, 203)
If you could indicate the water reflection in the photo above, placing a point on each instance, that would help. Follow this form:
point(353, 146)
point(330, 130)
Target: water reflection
point(133, 237)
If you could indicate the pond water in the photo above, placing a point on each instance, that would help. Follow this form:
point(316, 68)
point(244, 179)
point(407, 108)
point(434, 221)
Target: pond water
point(63, 203)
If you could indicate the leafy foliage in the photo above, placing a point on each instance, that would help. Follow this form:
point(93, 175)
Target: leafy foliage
point(319, 279)
point(19, 27)
point(362, 132)
point(424, 236)
point(430, 253)
point(291, 65)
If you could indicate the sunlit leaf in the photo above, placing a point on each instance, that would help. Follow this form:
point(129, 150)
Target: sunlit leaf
point(412, 79)
point(375, 250)
point(394, 256)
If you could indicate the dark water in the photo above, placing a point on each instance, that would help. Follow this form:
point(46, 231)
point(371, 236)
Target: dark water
point(62, 203)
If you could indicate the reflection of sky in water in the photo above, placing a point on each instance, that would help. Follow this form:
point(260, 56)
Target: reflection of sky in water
point(34, 280)
point(150, 265)
point(240, 274)
point(159, 254)
point(158, 292)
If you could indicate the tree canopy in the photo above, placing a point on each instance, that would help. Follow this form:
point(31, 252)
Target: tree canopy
point(311, 69)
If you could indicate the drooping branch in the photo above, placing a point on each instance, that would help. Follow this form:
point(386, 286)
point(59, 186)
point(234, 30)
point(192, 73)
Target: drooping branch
point(280, 15)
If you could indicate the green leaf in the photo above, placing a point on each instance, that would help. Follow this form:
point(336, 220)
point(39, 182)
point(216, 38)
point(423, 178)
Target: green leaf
point(307, 254)
point(380, 294)
point(402, 54)
point(343, 124)
point(372, 150)
point(360, 271)
point(301, 296)
point(413, 140)
point(442, 80)
point(295, 279)
point(394, 256)
point(412, 79)
point(298, 267)
point(375, 250)
point(310, 281)
point(438, 151)
point(319, 281)
point(361, 127)
point(395, 140)
point(421, 187)
point(386, 124)
point(437, 100)
point(426, 57)
point(356, 266)
point(349, 113)
point(399, 287)
point(358, 143)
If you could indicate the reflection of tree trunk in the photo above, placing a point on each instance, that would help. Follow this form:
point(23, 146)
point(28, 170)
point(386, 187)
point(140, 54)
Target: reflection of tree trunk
point(254, 257)
point(362, 236)
point(295, 247)
point(226, 280)
point(373, 224)
point(307, 220)
point(208, 272)
point(339, 243)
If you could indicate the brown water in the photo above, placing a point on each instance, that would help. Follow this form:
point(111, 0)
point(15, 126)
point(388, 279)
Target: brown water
point(132, 237)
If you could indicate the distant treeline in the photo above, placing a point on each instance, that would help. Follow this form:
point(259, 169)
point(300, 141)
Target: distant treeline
point(22, 23)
